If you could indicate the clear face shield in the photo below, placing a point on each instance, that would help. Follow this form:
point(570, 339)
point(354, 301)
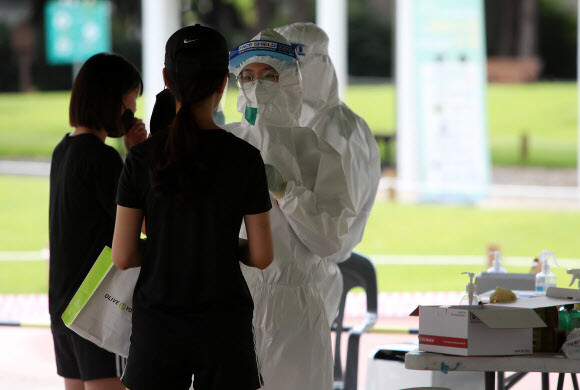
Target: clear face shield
point(265, 69)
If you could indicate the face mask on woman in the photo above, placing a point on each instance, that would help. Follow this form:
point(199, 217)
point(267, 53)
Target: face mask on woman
point(261, 92)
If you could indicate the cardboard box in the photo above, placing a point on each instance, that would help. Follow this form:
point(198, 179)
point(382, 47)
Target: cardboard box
point(548, 339)
point(476, 331)
point(485, 330)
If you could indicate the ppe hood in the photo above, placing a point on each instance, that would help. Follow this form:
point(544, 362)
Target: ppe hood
point(320, 85)
point(283, 109)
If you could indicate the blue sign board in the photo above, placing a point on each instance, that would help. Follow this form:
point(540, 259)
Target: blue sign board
point(441, 90)
point(76, 30)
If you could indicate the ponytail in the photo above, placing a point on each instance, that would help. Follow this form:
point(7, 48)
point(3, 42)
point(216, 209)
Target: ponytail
point(175, 170)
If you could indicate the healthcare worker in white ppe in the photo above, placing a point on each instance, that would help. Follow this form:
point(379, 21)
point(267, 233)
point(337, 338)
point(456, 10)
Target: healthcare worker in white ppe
point(309, 219)
point(347, 132)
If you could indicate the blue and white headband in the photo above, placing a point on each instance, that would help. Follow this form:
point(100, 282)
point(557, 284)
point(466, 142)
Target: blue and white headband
point(261, 48)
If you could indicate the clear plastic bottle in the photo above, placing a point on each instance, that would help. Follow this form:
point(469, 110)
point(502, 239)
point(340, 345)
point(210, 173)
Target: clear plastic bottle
point(496, 265)
point(545, 278)
point(469, 298)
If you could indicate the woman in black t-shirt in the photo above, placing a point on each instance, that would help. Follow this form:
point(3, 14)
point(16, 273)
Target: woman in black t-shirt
point(84, 174)
point(193, 184)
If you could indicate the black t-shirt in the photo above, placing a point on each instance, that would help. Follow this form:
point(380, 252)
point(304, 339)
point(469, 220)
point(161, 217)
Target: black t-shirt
point(190, 264)
point(83, 183)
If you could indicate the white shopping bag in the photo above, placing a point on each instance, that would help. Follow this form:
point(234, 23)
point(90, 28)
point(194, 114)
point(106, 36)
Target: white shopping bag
point(102, 307)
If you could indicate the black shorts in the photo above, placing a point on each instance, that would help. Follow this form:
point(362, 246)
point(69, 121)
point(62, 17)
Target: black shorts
point(166, 356)
point(77, 358)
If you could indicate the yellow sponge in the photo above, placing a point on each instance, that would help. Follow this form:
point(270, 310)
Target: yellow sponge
point(502, 295)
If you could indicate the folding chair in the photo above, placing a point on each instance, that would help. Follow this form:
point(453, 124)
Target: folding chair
point(357, 271)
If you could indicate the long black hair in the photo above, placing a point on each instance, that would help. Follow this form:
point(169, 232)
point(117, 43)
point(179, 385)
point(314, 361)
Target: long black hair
point(195, 68)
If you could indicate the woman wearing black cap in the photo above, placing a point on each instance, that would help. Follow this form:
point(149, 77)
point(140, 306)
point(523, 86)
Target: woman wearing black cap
point(193, 183)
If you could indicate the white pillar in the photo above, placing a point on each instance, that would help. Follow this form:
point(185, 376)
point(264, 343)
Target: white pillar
point(160, 19)
point(331, 16)
point(407, 137)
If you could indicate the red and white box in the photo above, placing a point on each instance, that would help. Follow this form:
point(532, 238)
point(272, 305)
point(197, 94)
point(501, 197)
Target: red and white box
point(486, 330)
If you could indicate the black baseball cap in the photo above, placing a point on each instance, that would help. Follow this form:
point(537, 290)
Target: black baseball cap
point(196, 48)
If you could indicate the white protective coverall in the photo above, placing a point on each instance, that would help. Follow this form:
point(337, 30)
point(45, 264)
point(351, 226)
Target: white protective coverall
point(347, 132)
point(309, 223)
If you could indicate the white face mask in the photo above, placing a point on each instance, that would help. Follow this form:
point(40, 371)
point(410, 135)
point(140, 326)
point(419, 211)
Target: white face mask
point(261, 92)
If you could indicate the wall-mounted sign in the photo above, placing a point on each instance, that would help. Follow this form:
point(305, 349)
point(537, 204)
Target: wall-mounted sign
point(76, 30)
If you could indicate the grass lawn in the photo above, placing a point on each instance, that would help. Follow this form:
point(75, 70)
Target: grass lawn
point(24, 277)
point(23, 213)
point(31, 277)
point(546, 111)
point(392, 229)
point(32, 124)
point(451, 230)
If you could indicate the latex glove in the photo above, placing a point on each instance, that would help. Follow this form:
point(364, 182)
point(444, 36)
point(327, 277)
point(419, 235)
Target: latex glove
point(502, 295)
point(276, 183)
point(135, 135)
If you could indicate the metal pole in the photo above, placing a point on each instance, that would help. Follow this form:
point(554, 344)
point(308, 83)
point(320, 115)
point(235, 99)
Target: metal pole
point(331, 16)
point(489, 380)
point(406, 125)
point(578, 99)
point(160, 19)
point(545, 381)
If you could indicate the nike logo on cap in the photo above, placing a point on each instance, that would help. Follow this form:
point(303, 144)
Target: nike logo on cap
point(191, 40)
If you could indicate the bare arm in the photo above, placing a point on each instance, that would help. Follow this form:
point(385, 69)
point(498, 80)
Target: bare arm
point(127, 247)
point(260, 250)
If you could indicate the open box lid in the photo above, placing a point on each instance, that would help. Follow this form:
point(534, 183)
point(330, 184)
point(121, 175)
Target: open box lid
point(500, 317)
point(497, 317)
point(555, 297)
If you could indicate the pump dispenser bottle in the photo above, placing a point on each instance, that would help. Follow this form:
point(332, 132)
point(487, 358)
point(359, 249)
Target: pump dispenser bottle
point(573, 320)
point(469, 298)
point(496, 265)
point(545, 278)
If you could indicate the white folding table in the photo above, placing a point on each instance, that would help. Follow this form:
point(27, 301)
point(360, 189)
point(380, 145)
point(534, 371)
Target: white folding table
point(545, 363)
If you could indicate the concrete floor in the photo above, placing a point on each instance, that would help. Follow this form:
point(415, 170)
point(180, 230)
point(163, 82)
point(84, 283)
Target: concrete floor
point(27, 357)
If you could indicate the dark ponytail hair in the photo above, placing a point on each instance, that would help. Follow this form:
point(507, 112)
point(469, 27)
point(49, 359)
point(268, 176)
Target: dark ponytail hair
point(174, 169)
point(196, 64)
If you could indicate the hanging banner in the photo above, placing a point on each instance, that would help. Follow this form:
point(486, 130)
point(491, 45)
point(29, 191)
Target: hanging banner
point(442, 143)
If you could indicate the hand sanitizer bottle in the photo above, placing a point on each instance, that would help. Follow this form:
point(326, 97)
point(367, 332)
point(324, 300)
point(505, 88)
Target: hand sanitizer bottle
point(469, 298)
point(546, 279)
point(496, 265)
point(574, 314)
point(564, 316)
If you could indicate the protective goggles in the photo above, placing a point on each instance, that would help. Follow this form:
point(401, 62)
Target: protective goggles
point(245, 80)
